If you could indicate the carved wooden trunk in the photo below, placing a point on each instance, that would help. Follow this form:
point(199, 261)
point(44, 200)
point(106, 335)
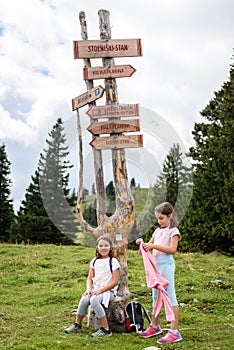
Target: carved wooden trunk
point(115, 315)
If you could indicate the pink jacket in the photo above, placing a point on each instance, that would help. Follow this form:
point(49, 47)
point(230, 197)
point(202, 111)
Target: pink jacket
point(155, 280)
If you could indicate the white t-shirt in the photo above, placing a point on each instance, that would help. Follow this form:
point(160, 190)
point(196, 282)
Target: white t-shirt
point(102, 271)
point(162, 236)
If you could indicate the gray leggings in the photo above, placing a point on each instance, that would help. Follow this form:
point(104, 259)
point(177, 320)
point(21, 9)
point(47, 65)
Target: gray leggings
point(96, 303)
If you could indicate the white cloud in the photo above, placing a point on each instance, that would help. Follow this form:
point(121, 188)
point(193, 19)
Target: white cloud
point(15, 130)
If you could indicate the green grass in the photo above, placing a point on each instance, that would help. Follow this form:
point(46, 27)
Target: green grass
point(41, 284)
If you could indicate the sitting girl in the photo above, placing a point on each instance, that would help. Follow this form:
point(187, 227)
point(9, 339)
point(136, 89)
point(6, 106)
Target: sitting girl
point(101, 288)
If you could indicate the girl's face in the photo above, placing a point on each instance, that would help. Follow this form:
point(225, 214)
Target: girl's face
point(163, 220)
point(103, 248)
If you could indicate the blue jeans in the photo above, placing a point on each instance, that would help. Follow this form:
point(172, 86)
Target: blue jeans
point(166, 267)
point(96, 303)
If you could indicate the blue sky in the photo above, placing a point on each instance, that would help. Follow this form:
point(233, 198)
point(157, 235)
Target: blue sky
point(187, 49)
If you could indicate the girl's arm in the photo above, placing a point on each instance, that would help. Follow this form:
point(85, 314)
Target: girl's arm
point(89, 281)
point(165, 249)
point(110, 285)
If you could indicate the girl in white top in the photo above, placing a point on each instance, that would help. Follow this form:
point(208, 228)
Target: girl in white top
point(101, 287)
point(163, 243)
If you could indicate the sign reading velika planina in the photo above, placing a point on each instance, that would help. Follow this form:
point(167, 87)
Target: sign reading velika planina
point(122, 141)
point(114, 127)
point(107, 48)
point(119, 71)
point(89, 96)
point(114, 111)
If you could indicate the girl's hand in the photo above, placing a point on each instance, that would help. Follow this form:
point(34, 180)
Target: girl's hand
point(148, 246)
point(96, 292)
point(88, 292)
point(139, 240)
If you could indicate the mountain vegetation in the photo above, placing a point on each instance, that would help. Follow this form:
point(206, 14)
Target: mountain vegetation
point(202, 194)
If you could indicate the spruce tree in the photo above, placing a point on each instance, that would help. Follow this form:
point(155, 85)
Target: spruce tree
point(132, 184)
point(6, 204)
point(110, 194)
point(45, 215)
point(210, 219)
point(174, 185)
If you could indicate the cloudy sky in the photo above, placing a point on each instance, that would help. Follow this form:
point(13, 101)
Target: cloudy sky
point(187, 49)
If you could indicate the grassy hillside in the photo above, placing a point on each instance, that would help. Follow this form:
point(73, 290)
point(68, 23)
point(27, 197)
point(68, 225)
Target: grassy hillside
point(41, 284)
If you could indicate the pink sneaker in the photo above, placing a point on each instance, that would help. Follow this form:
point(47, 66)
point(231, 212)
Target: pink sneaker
point(170, 338)
point(151, 331)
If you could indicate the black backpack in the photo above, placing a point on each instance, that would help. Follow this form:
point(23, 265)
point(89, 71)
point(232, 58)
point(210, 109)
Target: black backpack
point(135, 313)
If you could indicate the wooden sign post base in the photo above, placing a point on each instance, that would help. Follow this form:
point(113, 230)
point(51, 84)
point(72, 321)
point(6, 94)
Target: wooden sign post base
point(115, 316)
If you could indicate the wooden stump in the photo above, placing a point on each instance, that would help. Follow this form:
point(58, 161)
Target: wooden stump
point(115, 315)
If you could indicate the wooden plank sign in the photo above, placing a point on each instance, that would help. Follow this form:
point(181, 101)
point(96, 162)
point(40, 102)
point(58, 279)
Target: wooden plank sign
point(114, 127)
point(89, 96)
point(120, 71)
point(114, 111)
point(107, 48)
point(122, 141)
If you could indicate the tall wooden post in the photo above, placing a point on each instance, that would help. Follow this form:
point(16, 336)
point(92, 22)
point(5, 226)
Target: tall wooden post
point(97, 154)
point(118, 226)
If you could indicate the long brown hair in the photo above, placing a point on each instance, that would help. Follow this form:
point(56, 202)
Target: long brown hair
point(107, 240)
point(166, 208)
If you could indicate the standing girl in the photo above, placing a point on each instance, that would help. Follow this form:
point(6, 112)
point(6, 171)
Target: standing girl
point(164, 243)
point(101, 288)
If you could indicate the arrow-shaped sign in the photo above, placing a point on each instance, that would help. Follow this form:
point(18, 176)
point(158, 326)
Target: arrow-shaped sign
point(89, 96)
point(114, 127)
point(122, 141)
point(120, 71)
point(114, 111)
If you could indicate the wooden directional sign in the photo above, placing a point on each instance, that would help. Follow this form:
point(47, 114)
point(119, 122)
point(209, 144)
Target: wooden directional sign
point(114, 111)
point(122, 141)
point(89, 96)
point(107, 48)
point(120, 71)
point(114, 127)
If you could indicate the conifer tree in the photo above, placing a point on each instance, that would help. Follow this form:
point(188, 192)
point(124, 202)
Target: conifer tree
point(45, 215)
point(174, 185)
point(210, 218)
point(6, 204)
point(132, 184)
point(110, 194)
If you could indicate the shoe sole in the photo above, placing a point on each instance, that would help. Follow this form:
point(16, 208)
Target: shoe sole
point(67, 332)
point(169, 342)
point(103, 336)
point(150, 336)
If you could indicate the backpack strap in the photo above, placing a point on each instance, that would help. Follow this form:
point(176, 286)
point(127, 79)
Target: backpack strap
point(110, 263)
point(146, 314)
point(94, 261)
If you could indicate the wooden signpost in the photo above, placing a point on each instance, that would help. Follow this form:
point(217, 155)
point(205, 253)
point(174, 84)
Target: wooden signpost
point(107, 48)
point(120, 71)
point(87, 97)
point(119, 124)
point(123, 141)
point(114, 127)
point(114, 111)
